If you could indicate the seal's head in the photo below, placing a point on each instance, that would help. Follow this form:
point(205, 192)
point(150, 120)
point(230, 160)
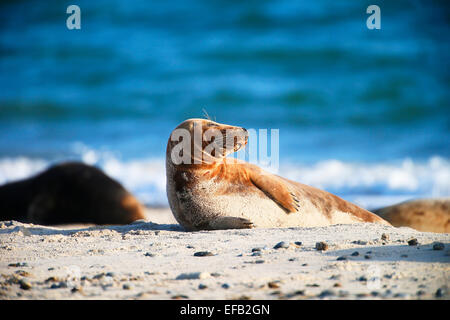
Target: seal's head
point(202, 141)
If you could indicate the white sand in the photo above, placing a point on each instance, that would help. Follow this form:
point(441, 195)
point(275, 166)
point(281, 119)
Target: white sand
point(143, 261)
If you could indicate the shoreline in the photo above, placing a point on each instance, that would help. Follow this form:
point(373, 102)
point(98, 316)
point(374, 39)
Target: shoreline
point(158, 260)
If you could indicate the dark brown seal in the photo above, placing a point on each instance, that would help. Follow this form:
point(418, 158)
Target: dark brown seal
point(70, 192)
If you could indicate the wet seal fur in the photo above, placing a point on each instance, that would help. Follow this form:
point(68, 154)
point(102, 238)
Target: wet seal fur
point(69, 192)
point(215, 192)
point(428, 215)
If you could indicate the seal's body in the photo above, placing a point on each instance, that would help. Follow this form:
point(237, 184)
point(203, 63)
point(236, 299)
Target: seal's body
point(69, 193)
point(429, 215)
point(214, 192)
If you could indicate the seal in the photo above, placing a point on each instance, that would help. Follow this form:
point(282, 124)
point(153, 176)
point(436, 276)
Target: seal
point(206, 190)
point(69, 192)
point(428, 215)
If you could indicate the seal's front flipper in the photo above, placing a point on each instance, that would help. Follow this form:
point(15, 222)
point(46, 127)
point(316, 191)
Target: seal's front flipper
point(276, 189)
point(230, 223)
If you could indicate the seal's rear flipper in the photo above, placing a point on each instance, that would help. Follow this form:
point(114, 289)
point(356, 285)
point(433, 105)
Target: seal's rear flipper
point(221, 223)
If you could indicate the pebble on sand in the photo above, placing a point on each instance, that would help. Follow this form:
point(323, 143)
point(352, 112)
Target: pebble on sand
point(440, 292)
point(321, 246)
point(327, 293)
point(24, 284)
point(273, 285)
point(385, 237)
point(193, 276)
point(282, 245)
point(203, 254)
point(413, 242)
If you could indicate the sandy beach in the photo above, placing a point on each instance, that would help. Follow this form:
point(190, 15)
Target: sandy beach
point(158, 260)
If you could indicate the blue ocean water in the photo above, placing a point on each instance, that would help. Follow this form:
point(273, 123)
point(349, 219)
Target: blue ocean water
point(362, 113)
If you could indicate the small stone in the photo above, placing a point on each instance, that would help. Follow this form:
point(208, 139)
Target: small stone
point(23, 273)
point(282, 245)
point(355, 254)
point(126, 286)
point(256, 254)
point(256, 249)
point(203, 254)
point(18, 264)
point(77, 289)
point(313, 285)
point(149, 254)
point(52, 279)
point(225, 286)
point(304, 264)
point(193, 275)
point(59, 285)
point(273, 285)
point(110, 274)
point(259, 261)
point(327, 293)
point(440, 292)
point(275, 293)
point(369, 252)
point(374, 293)
point(438, 246)
point(341, 258)
point(99, 276)
point(401, 295)
point(367, 257)
point(337, 285)
point(385, 237)
point(201, 286)
point(404, 256)
point(190, 247)
point(298, 243)
point(180, 296)
point(335, 277)
point(420, 293)
point(321, 246)
point(25, 285)
point(215, 274)
point(362, 278)
point(360, 242)
point(413, 242)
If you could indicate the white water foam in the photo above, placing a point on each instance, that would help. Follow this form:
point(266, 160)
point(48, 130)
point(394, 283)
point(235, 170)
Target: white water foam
point(369, 185)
